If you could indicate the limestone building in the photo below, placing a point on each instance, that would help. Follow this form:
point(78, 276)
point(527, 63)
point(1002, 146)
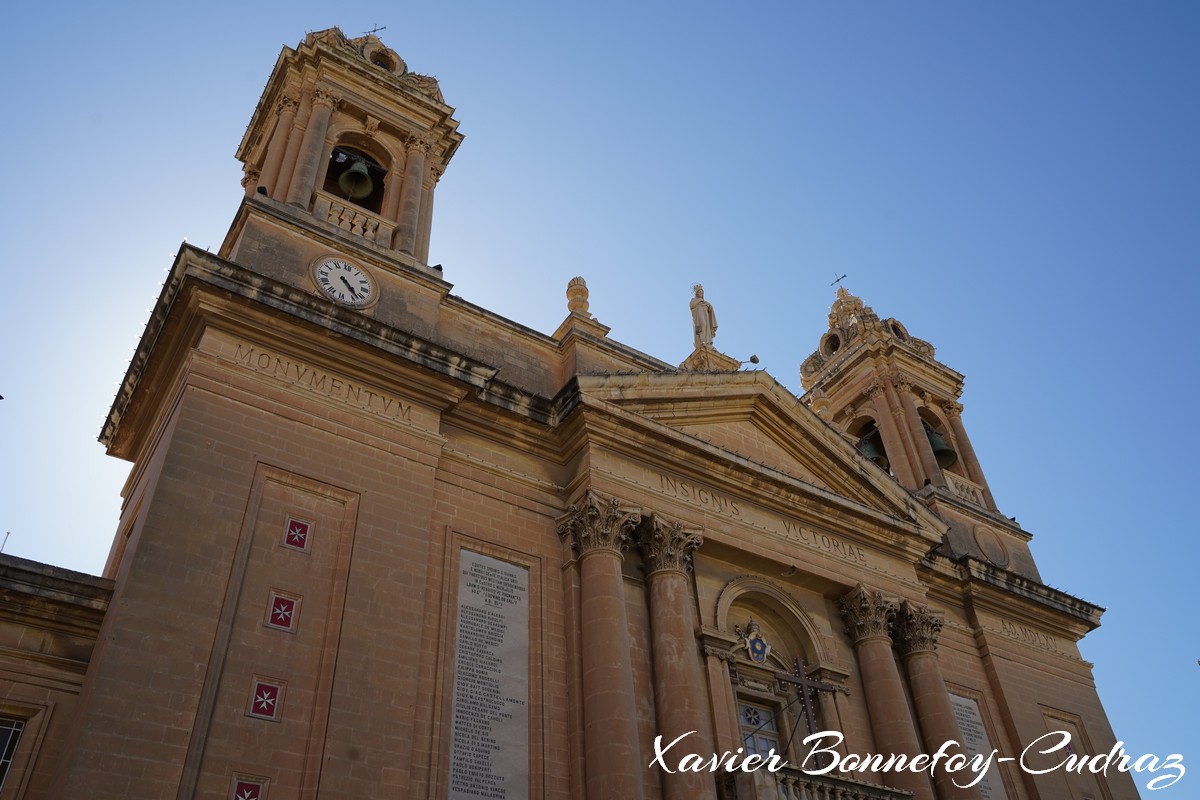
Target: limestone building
point(381, 542)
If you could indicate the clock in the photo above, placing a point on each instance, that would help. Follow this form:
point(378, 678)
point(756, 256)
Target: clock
point(343, 282)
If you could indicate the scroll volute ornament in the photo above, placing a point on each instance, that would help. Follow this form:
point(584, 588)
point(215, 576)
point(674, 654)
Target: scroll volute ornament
point(867, 612)
point(917, 628)
point(597, 522)
point(667, 545)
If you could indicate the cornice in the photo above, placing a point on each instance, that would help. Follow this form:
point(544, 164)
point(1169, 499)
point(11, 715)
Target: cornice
point(199, 269)
point(996, 589)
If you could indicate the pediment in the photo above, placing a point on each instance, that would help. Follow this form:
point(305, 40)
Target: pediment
point(750, 419)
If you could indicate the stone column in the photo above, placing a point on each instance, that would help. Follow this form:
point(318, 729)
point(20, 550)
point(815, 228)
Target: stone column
point(285, 113)
point(280, 190)
point(895, 445)
point(903, 431)
point(867, 613)
point(599, 529)
point(308, 160)
point(393, 184)
point(410, 195)
point(921, 446)
point(425, 223)
point(678, 679)
point(917, 630)
point(974, 471)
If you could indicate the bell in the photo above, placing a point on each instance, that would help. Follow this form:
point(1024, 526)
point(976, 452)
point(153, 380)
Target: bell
point(356, 182)
point(869, 447)
point(942, 453)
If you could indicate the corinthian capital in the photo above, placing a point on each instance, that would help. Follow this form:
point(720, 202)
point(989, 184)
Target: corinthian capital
point(867, 612)
point(417, 143)
point(324, 97)
point(917, 628)
point(286, 103)
point(597, 522)
point(667, 545)
point(251, 175)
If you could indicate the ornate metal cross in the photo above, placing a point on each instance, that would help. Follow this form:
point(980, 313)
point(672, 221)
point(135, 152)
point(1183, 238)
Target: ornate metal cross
point(805, 686)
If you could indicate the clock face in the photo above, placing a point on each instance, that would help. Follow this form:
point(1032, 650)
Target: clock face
point(344, 282)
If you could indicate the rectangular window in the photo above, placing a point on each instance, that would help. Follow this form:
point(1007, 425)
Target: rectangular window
point(760, 733)
point(10, 734)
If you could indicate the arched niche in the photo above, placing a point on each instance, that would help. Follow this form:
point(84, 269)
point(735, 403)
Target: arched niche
point(786, 626)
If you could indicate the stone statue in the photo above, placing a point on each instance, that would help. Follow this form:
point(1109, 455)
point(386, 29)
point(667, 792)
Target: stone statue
point(704, 321)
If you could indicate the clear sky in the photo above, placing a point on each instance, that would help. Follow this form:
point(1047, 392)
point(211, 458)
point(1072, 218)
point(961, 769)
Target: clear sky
point(1016, 182)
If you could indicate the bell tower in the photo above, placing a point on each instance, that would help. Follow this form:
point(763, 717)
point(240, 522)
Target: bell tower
point(883, 388)
point(346, 142)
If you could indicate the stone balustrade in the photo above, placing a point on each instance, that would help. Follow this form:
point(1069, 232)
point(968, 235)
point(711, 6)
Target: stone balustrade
point(794, 784)
point(353, 219)
point(965, 490)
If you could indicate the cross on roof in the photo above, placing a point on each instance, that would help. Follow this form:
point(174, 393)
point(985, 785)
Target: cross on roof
point(375, 30)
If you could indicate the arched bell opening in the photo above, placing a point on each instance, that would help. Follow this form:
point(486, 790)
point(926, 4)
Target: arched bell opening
point(356, 177)
point(941, 442)
point(870, 443)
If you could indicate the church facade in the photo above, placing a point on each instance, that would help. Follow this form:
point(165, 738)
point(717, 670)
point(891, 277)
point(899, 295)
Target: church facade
point(378, 541)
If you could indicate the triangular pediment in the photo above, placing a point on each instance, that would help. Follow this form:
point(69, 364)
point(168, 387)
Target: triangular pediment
point(748, 417)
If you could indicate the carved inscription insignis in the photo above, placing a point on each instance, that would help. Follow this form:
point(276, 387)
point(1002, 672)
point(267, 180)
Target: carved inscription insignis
point(699, 496)
point(715, 502)
point(322, 383)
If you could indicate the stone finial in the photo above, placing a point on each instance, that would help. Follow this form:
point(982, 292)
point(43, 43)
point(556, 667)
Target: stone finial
point(704, 319)
point(577, 297)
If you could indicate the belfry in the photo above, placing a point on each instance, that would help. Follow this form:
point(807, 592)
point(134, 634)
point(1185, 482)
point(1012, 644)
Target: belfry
point(378, 541)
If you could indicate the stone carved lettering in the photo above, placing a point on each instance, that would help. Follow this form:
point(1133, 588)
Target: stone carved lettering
point(975, 742)
point(794, 532)
point(823, 541)
point(305, 377)
point(1029, 636)
point(699, 496)
point(489, 744)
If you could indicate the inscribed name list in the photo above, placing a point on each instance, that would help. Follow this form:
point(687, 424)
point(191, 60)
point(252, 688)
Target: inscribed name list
point(975, 742)
point(489, 745)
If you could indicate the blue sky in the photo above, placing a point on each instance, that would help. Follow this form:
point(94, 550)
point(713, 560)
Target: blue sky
point(1015, 182)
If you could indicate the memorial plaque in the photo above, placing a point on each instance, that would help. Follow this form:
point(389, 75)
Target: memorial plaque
point(975, 742)
point(489, 745)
